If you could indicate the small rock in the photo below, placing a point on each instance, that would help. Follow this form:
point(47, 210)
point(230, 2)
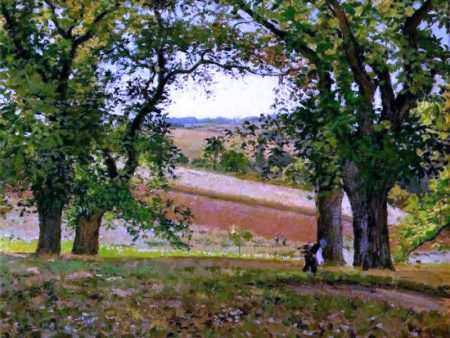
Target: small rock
point(34, 270)
point(112, 278)
point(79, 275)
point(122, 293)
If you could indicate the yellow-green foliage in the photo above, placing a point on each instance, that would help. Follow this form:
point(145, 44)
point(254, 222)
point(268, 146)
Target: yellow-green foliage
point(239, 237)
point(399, 197)
point(427, 215)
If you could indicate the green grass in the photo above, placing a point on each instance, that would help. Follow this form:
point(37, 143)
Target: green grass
point(288, 273)
point(186, 296)
point(8, 245)
point(115, 251)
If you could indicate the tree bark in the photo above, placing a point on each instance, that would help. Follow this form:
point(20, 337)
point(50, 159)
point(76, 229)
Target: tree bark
point(50, 219)
point(379, 252)
point(329, 223)
point(370, 225)
point(360, 224)
point(87, 234)
point(360, 220)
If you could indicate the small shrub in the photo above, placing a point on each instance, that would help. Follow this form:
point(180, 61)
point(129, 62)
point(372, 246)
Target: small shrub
point(234, 162)
point(183, 159)
point(200, 163)
point(213, 149)
point(239, 237)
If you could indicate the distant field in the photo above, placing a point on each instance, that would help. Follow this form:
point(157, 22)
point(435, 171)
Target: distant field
point(230, 188)
point(191, 141)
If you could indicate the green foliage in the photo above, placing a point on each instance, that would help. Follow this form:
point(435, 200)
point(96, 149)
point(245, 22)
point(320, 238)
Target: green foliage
point(398, 197)
point(429, 214)
point(233, 161)
point(361, 70)
point(183, 159)
point(213, 150)
point(298, 175)
point(352, 51)
point(161, 45)
point(239, 237)
point(51, 102)
point(200, 163)
point(98, 193)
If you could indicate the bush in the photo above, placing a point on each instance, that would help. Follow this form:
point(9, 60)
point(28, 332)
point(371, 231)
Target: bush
point(200, 163)
point(235, 162)
point(183, 159)
point(239, 237)
point(212, 150)
point(428, 216)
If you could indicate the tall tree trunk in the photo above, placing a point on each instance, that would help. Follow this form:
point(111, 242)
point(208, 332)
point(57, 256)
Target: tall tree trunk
point(379, 252)
point(370, 221)
point(50, 219)
point(360, 224)
point(360, 217)
point(329, 223)
point(87, 234)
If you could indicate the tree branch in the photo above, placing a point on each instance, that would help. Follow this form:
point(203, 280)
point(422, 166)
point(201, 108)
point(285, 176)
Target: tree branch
point(353, 52)
point(386, 90)
point(61, 31)
point(76, 43)
point(88, 35)
point(11, 27)
point(406, 100)
point(323, 70)
point(17, 39)
point(432, 238)
point(110, 163)
point(412, 22)
point(281, 34)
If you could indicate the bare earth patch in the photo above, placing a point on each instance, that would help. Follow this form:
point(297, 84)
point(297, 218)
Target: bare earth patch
point(408, 299)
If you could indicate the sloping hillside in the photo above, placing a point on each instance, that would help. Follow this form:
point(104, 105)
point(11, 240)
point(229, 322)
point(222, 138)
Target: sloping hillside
point(248, 192)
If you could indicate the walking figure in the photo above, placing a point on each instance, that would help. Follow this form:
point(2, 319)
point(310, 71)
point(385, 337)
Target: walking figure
point(313, 255)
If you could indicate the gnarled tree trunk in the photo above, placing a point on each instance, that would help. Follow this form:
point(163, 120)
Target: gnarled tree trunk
point(50, 218)
point(87, 234)
point(379, 253)
point(329, 223)
point(360, 224)
point(370, 226)
point(360, 216)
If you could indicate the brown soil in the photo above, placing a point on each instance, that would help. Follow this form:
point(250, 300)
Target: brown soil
point(262, 220)
point(408, 299)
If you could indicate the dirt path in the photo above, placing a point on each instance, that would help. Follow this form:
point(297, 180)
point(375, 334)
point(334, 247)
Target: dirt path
point(404, 298)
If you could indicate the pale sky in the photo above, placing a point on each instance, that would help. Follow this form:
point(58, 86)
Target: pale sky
point(251, 95)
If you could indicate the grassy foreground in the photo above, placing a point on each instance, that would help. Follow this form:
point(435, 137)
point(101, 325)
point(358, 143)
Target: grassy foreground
point(182, 297)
